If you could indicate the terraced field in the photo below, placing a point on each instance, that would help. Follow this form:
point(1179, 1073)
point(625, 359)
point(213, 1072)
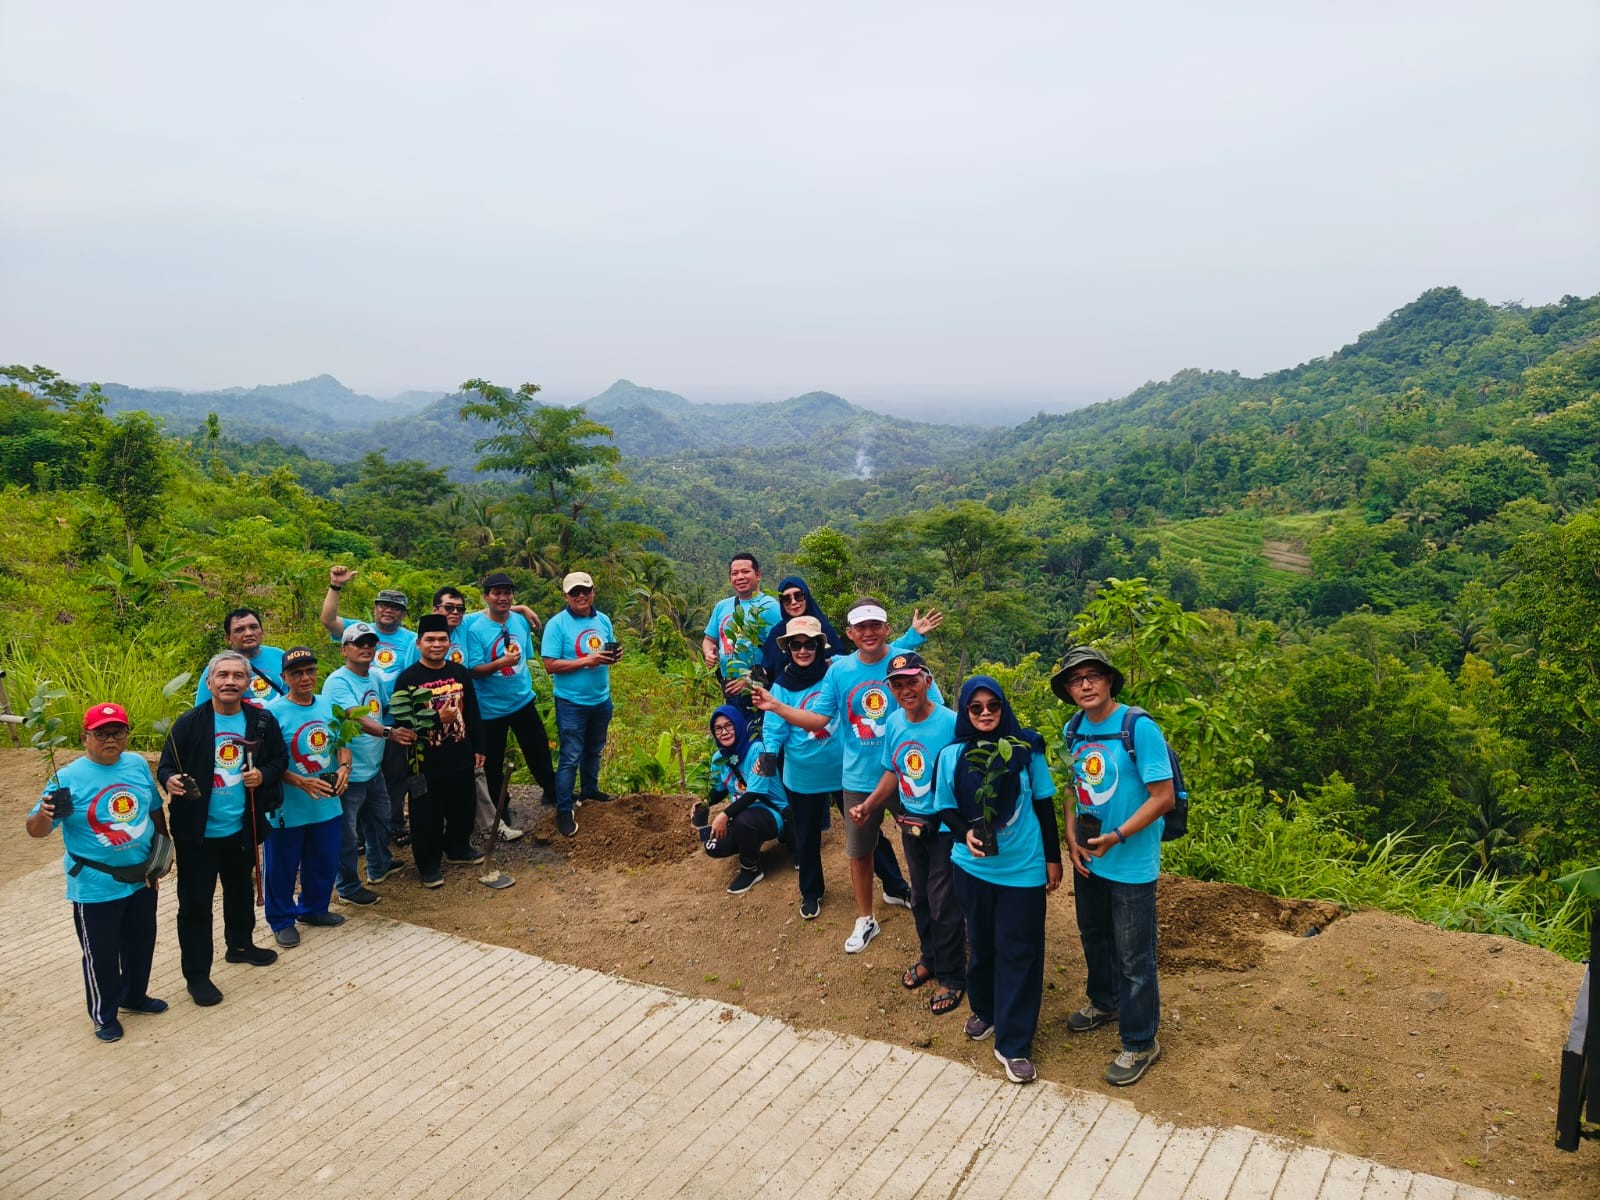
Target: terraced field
point(1238, 544)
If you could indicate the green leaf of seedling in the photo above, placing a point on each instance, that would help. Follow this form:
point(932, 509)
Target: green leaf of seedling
point(173, 685)
point(1585, 882)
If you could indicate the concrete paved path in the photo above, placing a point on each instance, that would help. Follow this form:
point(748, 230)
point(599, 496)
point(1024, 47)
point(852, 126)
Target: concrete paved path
point(386, 1060)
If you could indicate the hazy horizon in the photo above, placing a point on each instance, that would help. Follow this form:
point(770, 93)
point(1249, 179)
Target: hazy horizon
point(1037, 206)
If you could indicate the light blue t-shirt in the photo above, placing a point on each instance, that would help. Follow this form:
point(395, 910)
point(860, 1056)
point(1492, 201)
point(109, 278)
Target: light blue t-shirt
point(720, 630)
point(225, 814)
point(569, 636)
point(504, 691)
point(396, 651)
point(858, 693)
point(813, 762)
point(357, 695)
point(308, 731)
point(910, 749)
point(266, 665)
point(1020, 861)
point(457, 653)
point(772, 796)
point(1109, 787)
point(110, 823)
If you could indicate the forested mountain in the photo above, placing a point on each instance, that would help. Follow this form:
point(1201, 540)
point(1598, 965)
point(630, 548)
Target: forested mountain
point(1359, 593)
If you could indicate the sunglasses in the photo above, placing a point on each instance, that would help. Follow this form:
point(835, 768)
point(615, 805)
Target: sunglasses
point(791, 596)
point(979, 708)
point(450, 608)
point(811, 643)
point(581, 591)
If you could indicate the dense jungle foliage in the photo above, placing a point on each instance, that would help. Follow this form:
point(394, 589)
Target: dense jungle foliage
point(1362, 595)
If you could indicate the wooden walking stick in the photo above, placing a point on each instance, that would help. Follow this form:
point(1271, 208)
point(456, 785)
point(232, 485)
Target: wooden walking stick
point(250, 794)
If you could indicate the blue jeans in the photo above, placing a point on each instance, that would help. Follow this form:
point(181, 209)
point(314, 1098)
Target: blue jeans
point(366, 819)
point(582, 730)
point(1117, 922)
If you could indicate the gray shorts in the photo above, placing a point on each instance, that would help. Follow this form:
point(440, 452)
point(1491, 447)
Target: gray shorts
point(860, 840)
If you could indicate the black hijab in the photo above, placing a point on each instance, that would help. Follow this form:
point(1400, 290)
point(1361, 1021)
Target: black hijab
point(969, 776)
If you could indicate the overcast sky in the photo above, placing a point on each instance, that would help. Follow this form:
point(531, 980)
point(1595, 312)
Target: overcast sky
point(1022, 204)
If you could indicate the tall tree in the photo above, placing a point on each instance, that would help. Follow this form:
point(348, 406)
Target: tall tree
point(568, 478)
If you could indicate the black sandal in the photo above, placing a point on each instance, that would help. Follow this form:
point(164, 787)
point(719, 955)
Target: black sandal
point(916, 975)
point(947, 1000)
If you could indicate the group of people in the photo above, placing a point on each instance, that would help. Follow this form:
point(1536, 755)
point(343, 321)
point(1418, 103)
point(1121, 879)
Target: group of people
point(275, 787)
point(270, 778)
point(865, 731)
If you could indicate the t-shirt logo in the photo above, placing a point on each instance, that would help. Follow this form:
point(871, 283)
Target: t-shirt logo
point(123, 807)
point(914, 774)
point(127, 820)
point(318, 739)
point(1094, 774)
point(874, 703)
point(914, 762)
point(455, 656)
point(259, 685)
point(590, 641)
point(384, 658)
point(229, 754)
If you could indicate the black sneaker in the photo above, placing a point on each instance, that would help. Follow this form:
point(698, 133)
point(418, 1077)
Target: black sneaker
point(328, 919)
point(434, 881)
point(566, 823)
point(598, 798)
point(362, 896)
point(1089, 1017)
point(897, 899)
point(256, 956)
point(145, 1004)
point(287, 936)
point(464, 858)
point(395, 868)
point(111, 1031)
point(746, 879)
point(809, 908)
point(205, 993)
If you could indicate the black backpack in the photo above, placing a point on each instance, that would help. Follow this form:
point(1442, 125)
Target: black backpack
point(1176, 822)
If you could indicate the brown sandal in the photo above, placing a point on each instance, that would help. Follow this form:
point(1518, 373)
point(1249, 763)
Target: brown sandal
point(916, 975)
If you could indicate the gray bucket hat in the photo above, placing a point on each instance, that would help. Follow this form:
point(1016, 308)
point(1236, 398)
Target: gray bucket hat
point(1079, 656)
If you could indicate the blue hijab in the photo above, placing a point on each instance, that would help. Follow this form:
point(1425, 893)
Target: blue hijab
point(741, 733)
point(968, 777)
point(771, 656)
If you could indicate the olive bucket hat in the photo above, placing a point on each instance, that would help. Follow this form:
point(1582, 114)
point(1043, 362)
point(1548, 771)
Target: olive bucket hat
point(1077, 657)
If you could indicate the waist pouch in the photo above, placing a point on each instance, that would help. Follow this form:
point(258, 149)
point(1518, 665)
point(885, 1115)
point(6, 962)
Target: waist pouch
point(916, 826)
point(148, 872)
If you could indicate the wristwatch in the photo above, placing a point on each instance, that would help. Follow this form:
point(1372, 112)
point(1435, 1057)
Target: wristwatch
point(387, 731)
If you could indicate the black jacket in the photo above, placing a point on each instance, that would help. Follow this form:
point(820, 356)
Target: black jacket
point(191, 746)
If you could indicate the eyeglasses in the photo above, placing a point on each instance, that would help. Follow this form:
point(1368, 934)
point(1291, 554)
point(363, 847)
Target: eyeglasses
point(450, 608)
point(813, 644)
point(791, 597)
point(980, 708)
point(109, 735)
point(1087, 677)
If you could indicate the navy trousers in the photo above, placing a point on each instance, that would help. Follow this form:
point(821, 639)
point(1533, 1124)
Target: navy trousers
point(1005, 970)
point(119, 941)
point(309, 853)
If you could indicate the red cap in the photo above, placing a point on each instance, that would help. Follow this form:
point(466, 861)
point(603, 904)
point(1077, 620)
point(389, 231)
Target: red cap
point(105, 714)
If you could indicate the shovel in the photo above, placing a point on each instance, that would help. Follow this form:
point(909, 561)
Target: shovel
point(492, 876)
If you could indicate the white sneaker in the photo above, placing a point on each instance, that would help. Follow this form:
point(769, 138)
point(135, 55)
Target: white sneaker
point(866, 929)
point(509, 834)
